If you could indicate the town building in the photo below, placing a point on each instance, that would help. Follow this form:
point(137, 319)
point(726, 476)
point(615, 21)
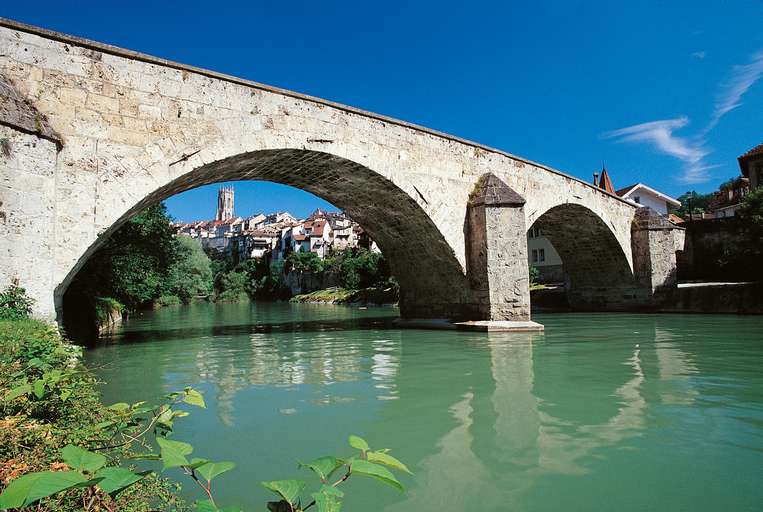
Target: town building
point(274, 235)
point(647, 196)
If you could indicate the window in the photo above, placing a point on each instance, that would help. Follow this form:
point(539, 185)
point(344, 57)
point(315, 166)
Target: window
point(535, 255)
point(541, 254)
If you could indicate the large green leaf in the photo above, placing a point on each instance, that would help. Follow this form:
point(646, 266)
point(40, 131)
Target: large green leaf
point(363, 467)
point(212, 469)
point(358, 443)
point(115, 480)
point(323, 466)
point(208, 506)
point(193, 397)
point(27, 489)
point(173, 452)
point(16, 392)
point(81, 459)
point(287, 489)
point(39, 388)
point(387, 460)
point(327, 499)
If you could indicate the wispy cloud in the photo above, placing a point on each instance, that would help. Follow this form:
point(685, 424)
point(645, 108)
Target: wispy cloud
point(693, 150)
point(660, 135)
point(742, 78)
point(698, 55)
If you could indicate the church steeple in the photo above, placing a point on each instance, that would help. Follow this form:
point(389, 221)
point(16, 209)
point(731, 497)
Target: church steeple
point(605, 183)
point(224, 203)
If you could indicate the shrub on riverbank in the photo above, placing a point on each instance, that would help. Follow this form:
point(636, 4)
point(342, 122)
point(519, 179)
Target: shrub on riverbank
point(48, 400)
point(14, 303)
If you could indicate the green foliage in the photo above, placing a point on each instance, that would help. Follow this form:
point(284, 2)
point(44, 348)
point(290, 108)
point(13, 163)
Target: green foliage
point(191, 273)
point(251, 278)
point(327, 498)
point(15, 304)
point(167, 300)
point(693, 202)
point(105, 306)
point(52, 419)
point(752, 209)
point(303, 261)
point(534, 274)
point(359, 268)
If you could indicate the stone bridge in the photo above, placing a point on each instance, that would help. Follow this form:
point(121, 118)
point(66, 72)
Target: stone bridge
point(91, 134)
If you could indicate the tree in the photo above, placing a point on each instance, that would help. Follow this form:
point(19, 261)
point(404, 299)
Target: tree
point(692, 202)
point(191, 274)
point(133, 265)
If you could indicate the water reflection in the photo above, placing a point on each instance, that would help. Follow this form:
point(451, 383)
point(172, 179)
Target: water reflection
point(495, 422)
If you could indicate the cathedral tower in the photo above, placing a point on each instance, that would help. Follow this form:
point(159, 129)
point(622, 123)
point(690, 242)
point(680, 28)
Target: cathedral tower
point(224, 203)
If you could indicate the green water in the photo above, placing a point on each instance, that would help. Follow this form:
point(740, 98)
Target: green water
point(602, 412)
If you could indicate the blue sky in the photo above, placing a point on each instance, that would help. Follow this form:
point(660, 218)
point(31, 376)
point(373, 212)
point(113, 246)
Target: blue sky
point(667, 93)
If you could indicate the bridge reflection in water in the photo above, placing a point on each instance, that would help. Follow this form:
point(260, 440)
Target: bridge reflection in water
point(502, 422)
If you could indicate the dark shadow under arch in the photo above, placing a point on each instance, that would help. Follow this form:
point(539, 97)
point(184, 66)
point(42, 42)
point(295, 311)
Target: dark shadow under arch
point(597, 273)
point(432, 281)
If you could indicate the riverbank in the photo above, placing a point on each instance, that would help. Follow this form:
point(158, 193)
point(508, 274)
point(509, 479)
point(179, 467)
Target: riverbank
point(48, 399)
point(337, 295)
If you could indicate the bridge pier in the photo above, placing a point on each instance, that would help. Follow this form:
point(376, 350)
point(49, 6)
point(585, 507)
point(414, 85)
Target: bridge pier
point(654, 242)
point(496, 250)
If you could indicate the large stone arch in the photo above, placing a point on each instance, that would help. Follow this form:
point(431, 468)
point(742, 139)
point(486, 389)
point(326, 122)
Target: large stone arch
point(432, 280)
point(598, 269)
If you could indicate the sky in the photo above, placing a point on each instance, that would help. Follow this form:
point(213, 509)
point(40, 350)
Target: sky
point(665, 93)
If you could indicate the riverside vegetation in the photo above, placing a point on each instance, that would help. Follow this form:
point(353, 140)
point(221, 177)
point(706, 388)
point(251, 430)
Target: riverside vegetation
point(61, 449)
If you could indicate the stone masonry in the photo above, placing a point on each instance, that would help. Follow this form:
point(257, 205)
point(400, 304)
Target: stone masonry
point(91, 134)
point(496, 244)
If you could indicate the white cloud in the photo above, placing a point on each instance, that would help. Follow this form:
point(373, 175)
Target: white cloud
point(693, 150)
point(696, 173)
point(742, 78)
point(660, 135)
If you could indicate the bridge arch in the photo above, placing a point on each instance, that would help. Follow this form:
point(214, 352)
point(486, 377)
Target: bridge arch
point(432, 281)
point(598, 272)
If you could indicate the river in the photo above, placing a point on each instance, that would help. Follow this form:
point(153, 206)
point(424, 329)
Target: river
point(602, 412)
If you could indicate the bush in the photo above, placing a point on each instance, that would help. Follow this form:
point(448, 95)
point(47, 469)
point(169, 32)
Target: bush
point(49, 400)
point(15, 304)
point(167, 300)
point(105, 307)
point(359, 268)
point(534, 274)
point(191, 274)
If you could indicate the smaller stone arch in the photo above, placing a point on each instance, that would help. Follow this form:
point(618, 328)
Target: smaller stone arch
point(598, 275)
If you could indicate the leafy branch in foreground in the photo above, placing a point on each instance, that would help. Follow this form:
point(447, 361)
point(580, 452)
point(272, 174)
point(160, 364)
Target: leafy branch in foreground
point(328, 497)
point(95, 474)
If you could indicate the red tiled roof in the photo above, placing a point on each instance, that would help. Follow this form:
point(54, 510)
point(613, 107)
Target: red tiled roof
point(675, 219)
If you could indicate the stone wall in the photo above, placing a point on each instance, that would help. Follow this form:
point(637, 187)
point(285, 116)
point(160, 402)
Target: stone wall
point(720, 250)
